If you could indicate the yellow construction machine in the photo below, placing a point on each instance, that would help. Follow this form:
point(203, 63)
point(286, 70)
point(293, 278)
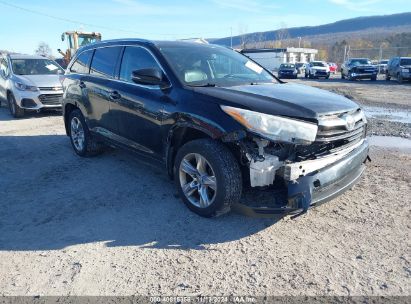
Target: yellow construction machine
point(75, 40)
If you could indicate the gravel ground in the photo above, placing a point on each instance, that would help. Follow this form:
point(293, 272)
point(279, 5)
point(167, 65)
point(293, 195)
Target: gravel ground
point(112, 225)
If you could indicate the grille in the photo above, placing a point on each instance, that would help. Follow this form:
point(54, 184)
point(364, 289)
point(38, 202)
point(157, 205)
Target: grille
point(343, 129)
point(50, 88)
point(333, 135)
point(51, 99)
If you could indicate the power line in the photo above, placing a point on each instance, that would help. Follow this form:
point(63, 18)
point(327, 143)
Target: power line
point(83, 23)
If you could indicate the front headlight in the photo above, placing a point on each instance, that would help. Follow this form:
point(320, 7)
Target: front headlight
point(276, 128)
point(24, 87)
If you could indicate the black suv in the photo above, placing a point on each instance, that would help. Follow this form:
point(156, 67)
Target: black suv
point(287, 70)
point(359, 68)
point(399, 68)
point(218, 121)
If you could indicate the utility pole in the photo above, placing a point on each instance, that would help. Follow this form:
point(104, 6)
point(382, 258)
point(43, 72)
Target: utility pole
point(299, 42)
point(231, 36)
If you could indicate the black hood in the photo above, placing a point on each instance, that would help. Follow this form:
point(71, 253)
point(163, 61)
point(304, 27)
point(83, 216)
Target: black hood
point(285, 99)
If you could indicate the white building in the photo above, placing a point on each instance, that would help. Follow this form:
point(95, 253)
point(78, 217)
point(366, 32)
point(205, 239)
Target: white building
point(272, 58)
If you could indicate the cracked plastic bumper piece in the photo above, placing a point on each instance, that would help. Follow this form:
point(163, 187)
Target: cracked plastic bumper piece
point(318, 186)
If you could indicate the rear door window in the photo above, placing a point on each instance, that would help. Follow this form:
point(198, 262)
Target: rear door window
point(82, 62)
point(104, 61)
point(136, 58)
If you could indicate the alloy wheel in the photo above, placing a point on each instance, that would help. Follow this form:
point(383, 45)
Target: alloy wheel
point(197, 180)
point(77, 133)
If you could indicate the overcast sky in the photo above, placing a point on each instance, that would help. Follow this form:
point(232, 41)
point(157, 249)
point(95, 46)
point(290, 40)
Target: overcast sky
point(24, 23)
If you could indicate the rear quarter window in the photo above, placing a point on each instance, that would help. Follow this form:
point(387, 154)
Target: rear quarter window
point(104, 61)
point(81, 65)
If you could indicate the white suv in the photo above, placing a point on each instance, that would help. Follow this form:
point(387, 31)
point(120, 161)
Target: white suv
point(317, 69)
point(30, 83)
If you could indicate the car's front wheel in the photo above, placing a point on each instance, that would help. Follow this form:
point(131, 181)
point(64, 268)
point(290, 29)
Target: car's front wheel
point(14, 108)
point(81, 139)
point(387, 76)
point(400, 79)
point(208, 177)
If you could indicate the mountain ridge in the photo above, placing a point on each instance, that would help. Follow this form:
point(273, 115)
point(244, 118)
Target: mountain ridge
point(347, 25)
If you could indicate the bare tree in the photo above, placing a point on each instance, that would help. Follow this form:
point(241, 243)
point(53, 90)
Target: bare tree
point(242, 30)
point(44, 50)
point(282, 34)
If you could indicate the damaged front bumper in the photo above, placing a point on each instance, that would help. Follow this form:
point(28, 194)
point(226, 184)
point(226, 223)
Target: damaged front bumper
point(313, 182)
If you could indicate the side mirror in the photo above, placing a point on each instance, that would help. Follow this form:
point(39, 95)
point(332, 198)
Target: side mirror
point(151, 76)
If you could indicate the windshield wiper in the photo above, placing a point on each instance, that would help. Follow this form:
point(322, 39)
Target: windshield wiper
point(203, 85)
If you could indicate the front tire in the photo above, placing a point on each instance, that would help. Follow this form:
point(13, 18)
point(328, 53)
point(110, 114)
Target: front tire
point(208, 177)
point(81, 139)
point(15, 110)
point(387, 76)
point(400, 79)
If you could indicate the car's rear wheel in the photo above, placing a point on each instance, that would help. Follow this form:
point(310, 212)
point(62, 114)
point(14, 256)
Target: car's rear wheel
point(81, 139)
point(14, 108)
point(208, 177)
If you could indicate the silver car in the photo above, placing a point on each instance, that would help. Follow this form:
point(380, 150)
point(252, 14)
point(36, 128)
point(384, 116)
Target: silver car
point(30, 83)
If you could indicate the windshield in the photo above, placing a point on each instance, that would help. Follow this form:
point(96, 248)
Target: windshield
point(35, 67)
point(360, 61)
point(299, 65)
point(287, 66)
point(406, 61)
point(84, 40)
point(319, 64)
point(209, 65)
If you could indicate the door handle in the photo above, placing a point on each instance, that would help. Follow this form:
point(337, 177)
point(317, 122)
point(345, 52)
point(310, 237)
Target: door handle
point(82, 85)
point(114, 95)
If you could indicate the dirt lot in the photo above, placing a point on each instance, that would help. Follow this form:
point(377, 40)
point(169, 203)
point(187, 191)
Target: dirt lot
point(112, 225)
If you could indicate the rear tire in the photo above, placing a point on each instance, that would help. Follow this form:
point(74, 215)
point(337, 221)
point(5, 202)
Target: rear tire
point(15, 110)
point(218, 165)
point(81, 139)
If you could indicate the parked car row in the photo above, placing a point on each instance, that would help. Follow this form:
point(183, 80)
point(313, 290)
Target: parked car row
point(398, 68)
point(215, 119)
point(314, 69)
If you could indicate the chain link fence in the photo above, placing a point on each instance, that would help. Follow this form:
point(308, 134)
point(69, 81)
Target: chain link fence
point(378, 54)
